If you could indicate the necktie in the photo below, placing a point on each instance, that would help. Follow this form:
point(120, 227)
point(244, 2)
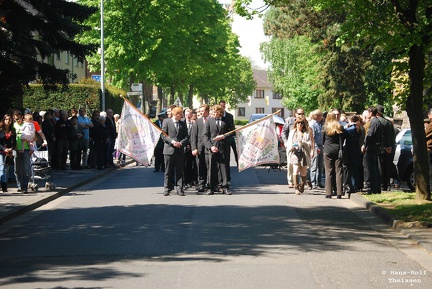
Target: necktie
point(177, 126)
point(218, 122)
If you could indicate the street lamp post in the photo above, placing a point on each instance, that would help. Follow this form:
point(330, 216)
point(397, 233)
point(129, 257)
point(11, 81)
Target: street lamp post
point(102, 58)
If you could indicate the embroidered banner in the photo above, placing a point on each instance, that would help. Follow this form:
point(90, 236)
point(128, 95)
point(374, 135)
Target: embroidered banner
point(257, 144)
point(137, 135)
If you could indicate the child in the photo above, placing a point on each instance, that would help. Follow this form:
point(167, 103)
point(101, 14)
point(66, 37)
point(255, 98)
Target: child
point(28, 131)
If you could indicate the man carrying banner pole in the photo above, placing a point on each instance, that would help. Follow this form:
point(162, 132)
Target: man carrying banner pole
point(217, 141)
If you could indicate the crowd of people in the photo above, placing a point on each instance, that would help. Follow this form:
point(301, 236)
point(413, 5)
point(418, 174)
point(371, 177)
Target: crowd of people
point(327, 150)
point(86, 142)
point(194, 149)
point(341, 154)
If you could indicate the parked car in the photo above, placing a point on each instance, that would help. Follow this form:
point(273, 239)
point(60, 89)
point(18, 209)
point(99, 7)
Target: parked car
point(403, 159)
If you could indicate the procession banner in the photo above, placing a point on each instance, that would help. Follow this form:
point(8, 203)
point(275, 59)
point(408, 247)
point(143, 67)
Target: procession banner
point(137, 135)
point(257, 144)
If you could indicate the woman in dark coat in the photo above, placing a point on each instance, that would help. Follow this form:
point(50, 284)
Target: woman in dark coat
point(7, 145)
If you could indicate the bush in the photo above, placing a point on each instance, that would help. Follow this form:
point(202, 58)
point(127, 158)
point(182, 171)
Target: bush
point(240, 122)
point(87, 95)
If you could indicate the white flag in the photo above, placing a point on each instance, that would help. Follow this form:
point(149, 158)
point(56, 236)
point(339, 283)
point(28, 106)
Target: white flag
point(137, 135)
point(257, 144)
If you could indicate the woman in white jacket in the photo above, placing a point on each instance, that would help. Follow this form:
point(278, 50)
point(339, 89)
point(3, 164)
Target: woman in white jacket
point(299, 151)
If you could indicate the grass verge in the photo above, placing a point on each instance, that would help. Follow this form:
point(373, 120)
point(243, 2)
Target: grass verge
point(404, 206)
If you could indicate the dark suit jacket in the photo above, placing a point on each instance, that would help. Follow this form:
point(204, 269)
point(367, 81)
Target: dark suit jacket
point(160, 142)
point(228, 118)
point(198, 130)
point(211, 131)
point(182, 136)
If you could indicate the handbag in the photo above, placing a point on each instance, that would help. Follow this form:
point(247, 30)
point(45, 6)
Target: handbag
point(343, 156)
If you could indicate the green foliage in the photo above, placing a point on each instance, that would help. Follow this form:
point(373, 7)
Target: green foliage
point(74, 96)
point(294, 70)
point(240, 122)
point(182, 45)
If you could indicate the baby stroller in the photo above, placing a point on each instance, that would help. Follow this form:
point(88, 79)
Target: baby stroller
point(40, 169)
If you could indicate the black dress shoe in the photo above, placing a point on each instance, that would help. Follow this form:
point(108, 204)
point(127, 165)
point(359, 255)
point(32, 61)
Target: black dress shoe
point(209, 192)
point(166, 193)
point(227, 191)
point(201, 189)
point(180, 193)
point(328, 196)
point(339, 197)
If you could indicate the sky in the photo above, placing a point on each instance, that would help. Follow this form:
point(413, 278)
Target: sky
point(251, 34)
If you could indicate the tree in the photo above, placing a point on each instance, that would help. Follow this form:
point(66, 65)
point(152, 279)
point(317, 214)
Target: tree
point(182, 45)
point(31, 32)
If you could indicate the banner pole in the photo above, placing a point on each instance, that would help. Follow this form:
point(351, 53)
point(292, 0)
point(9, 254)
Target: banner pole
point(144, 116)
point(252, 123)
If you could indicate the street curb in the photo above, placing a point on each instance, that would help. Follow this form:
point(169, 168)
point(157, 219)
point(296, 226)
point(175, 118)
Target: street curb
point(55, 195)
point(390, 220)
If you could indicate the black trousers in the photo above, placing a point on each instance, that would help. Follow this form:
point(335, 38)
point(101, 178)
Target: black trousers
point(218, 170)
point(174, 164)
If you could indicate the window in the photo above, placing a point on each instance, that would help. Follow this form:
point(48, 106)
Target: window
point(241, 111)
point(50, 60)
point(259, 110)
point(58, 55)
point(276, 95)
point(281, 113)
point(67, 57)
point(259, 93)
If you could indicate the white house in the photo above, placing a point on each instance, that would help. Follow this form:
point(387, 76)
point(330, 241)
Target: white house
point(262, 100)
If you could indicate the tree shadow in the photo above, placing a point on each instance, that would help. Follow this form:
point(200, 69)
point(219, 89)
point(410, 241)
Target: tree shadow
point(75, 237)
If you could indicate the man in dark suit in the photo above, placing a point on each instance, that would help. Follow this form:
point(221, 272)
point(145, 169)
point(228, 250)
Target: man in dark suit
point(158, 151)
point(175, 137)
point(190, 170)
point(371, 148)
point(389, 145)
point(198, 148)
point(228, 118)
point(217, 151)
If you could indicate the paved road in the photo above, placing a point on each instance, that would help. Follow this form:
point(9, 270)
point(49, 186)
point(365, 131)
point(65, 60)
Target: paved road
point(121, 232)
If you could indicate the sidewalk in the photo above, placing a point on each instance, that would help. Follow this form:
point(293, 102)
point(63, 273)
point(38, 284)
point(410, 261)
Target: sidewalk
point(13, 203)
point(421, 236)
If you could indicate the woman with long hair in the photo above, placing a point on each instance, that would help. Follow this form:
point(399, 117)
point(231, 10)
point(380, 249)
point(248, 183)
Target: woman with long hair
point(333, 140)
point(7, 145)
point(298, 149)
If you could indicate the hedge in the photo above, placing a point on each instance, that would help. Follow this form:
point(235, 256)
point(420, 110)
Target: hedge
point(36, 98)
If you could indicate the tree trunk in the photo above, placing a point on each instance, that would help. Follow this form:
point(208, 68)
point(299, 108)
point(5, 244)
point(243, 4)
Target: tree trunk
point(160, 98)
point(415, 114)
point(190, 96)
point(171, 95)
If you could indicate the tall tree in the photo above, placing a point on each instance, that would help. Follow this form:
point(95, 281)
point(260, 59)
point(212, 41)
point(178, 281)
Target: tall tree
point(177, 44)
point(30, 32)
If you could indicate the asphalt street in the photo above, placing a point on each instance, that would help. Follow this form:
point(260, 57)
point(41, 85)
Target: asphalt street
point(119, 231)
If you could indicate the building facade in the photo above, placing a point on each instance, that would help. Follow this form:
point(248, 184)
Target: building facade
point(262, 100)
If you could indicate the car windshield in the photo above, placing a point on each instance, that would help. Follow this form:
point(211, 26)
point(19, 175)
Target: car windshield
point(404, 137)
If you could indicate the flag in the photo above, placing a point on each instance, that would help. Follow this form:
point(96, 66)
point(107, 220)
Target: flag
point(137, 135)
point(257, 144)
